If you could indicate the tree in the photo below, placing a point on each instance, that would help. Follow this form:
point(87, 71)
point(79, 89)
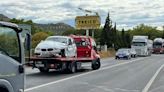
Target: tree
point(37, 37)
point(127, 40)
point(163, 33)
point(124, 43)
point(142, 29)
point(107, 35)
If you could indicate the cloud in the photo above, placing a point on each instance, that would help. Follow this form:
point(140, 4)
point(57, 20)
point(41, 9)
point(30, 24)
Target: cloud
point(126, 13)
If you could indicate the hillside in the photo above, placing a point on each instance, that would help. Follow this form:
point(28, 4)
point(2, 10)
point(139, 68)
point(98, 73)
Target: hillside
point(4, 18)
point(57, 28)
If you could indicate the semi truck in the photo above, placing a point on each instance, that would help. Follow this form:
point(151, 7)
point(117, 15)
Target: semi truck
point(86, 51)
point(142, 45)
point(12, 58)
point(158, 45)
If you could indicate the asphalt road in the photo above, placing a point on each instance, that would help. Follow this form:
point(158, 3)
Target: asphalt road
point(142, 74)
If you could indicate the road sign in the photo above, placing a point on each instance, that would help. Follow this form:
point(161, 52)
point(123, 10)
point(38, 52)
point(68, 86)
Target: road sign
point(88, 22)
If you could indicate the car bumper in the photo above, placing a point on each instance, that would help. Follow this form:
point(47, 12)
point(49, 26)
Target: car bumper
point(47, 53)
point(122, 56)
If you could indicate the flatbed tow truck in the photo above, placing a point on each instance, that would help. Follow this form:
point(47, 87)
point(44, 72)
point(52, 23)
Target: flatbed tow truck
point(86, 52)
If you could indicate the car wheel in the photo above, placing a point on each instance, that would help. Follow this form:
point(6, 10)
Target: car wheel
point(64, 53)
point(72, 67)
point(96, 64)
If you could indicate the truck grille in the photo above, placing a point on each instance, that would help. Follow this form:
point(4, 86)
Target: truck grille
point(138, 51)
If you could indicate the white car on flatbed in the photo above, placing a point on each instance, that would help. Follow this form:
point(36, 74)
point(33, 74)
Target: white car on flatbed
point(60, 46)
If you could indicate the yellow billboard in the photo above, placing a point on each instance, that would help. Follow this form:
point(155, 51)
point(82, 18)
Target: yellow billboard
point(87, 22)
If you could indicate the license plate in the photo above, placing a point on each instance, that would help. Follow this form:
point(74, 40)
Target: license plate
point(39, 65)
point(121, 56)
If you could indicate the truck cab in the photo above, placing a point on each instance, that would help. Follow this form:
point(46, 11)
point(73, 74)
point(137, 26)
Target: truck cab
point(142, 45)
point(86, 48)
point(158, 45)
point(11, 58)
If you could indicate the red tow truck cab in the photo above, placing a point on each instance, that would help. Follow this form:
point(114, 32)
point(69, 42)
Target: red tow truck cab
point(86, 52)
point(86, 47)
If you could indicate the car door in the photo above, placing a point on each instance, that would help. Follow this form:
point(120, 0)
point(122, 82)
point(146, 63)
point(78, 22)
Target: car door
point(11, 70)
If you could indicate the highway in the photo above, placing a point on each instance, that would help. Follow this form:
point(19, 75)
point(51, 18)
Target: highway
point(141, 74)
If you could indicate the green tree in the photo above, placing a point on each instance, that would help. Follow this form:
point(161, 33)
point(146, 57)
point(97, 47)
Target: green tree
point(124, 43)
point(107, 35)
point(142, 29)
point(37, 37)
point(163, 33)
point(127, 40)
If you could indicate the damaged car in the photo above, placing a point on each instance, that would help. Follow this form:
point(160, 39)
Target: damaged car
point(56, 46)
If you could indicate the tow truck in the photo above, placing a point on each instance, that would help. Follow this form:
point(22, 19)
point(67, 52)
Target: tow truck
point(12, 58)
point(86, 52)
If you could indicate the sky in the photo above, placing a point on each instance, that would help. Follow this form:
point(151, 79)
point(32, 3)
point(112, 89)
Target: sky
point(126, 13)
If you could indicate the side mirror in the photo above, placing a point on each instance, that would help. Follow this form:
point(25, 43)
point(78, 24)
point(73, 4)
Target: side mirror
point(21, 69)
point(95, 48)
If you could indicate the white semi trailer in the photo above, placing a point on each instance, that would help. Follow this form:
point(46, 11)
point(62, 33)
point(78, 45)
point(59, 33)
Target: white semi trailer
point(142, 45)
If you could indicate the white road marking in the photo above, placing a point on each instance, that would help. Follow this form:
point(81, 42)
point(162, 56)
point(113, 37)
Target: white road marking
point(146, 89)
point(54, 82)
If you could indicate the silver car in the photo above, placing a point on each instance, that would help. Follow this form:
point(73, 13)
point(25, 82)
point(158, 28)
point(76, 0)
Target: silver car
point(60, 46)
point(123, 53)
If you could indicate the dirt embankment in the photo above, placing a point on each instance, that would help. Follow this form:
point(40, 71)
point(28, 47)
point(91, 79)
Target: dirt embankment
point(106, 54)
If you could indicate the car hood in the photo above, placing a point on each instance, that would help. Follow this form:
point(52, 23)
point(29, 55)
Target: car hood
point(51, 44)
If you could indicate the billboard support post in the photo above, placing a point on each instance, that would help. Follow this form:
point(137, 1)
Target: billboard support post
point(87, 32)
point(92, 33)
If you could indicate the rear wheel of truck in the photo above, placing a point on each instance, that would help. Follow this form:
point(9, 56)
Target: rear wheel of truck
point(72, 67)
point(96, 64)
point(44, 70)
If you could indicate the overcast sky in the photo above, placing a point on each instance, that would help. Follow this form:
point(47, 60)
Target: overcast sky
point(126, 13)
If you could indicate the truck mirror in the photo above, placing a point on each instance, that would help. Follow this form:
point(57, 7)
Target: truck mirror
point(21, 69)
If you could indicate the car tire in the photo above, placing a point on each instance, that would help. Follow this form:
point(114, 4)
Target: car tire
point(64, 53)
point(72, 67)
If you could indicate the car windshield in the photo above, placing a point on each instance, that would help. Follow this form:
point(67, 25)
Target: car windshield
point(57, 39)
point(157, 45)
point(122, 50)
point(138, 43)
